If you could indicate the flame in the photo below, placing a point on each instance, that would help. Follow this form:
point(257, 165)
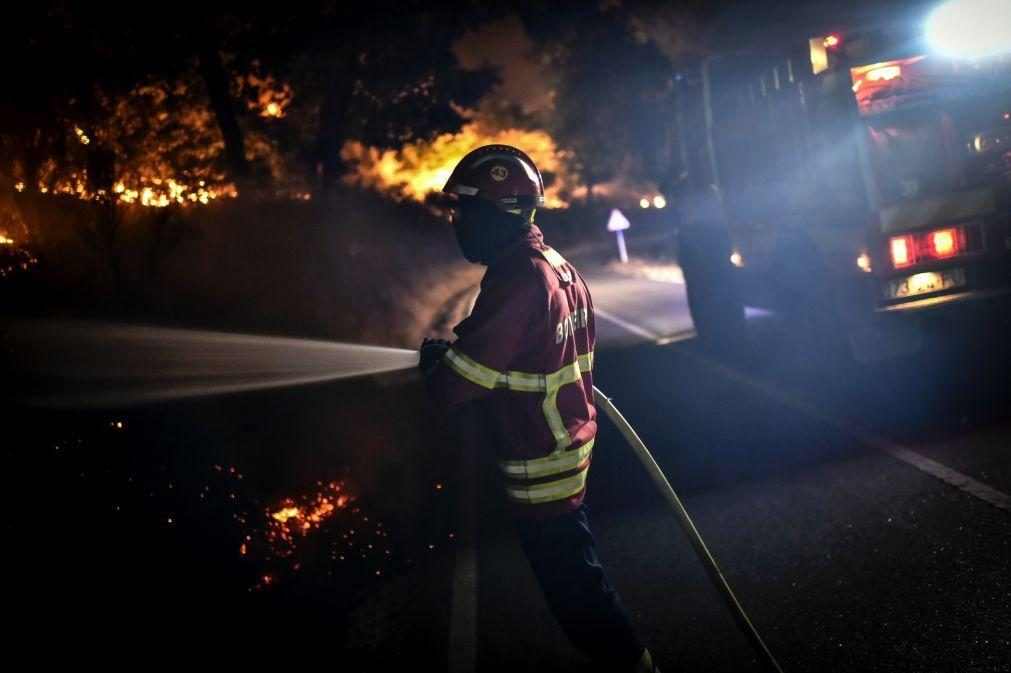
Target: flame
point(286, 513)
point(265, 95)
point(156, 193)
point(423, 167)
point(293, 518)
point(14, 258)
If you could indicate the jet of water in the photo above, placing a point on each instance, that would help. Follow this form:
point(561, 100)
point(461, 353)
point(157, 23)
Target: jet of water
point(89, 364)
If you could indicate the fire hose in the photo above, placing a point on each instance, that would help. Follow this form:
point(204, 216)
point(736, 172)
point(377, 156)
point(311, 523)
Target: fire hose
point(701, 551)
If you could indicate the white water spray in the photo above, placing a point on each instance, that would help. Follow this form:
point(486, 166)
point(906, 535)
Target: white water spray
point(87, 364)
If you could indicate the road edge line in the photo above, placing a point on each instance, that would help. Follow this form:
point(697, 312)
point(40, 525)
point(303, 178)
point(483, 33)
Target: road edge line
point(939, 471)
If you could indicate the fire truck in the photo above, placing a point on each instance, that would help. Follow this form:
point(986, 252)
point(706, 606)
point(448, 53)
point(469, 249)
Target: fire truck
point(853, 183)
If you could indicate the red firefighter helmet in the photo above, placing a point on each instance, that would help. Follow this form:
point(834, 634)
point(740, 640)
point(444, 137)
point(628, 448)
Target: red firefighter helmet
point(501, 174)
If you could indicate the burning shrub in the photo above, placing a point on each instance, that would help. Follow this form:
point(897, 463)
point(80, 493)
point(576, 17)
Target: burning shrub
point(423, 166)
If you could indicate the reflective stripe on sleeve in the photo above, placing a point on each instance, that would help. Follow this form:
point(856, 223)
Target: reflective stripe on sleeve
point(532, 383)
point(489, 378)
point(553, 258)
point(546, 492)
point(550, 385)
point(558, 263)
point(469, 369)
point(556, 463)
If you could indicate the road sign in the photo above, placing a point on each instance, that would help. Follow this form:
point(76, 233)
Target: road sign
point(618, 223)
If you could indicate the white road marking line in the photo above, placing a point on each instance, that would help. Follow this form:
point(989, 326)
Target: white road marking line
point(642, 331)
point(939, 471)
point(949, 476)
point(621, 322)
point(462, 655)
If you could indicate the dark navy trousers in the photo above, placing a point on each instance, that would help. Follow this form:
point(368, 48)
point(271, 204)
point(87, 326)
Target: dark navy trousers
point(575, 585)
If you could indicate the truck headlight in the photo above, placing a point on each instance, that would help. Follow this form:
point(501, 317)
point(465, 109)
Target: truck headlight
point(970, 28)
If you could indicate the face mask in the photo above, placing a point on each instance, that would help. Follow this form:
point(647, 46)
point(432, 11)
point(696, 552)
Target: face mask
point(482, 230)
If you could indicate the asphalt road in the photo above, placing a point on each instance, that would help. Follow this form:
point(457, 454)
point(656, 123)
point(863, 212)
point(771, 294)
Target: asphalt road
point(859, 511)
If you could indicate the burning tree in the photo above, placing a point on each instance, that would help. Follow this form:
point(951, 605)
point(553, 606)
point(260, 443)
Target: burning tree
point(115, 96)
point(381, 82)
point(114, 109)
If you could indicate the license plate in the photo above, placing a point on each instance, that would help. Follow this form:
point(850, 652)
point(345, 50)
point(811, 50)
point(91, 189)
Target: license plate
point(925, 283)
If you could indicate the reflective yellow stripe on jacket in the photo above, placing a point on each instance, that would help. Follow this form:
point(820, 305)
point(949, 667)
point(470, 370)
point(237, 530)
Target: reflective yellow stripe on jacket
point(548, 491)
point(562, 459)
point(556, 463)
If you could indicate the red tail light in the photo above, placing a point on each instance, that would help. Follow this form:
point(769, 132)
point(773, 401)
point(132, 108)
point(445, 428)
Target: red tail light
point(940, 244)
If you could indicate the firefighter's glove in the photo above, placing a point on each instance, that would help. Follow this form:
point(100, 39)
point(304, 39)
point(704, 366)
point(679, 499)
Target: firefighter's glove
point(432, 351)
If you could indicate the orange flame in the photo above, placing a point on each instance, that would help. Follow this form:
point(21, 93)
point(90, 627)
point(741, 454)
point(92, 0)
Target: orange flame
point(423, 167)
point(13, 257)
point(160, 193)
point(292, 519)
point(265, 95)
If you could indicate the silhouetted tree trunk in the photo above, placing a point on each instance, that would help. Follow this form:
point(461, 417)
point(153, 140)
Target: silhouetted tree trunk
point(101, 163)
point(31, 160)
point(332, 114)
point(213, 72)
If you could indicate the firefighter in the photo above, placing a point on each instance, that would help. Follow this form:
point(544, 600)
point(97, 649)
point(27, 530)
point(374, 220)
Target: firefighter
point(523, 359)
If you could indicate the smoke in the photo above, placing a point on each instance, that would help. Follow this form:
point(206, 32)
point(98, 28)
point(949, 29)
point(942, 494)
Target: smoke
point(88, 364)
point(504, 44)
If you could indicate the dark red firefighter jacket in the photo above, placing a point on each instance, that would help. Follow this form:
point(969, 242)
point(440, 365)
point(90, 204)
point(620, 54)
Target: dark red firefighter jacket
point(526, 355)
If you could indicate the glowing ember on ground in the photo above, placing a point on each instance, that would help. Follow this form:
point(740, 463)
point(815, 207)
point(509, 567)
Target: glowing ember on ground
point(285, 514)
point(321, 535)
point(297, 518)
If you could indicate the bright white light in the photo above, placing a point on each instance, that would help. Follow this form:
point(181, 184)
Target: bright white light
point(864, 262)
point(659, 201)
point(971, 28)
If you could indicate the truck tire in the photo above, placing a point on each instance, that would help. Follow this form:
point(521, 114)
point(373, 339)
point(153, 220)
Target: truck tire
point(714, 297)
point(809, 300)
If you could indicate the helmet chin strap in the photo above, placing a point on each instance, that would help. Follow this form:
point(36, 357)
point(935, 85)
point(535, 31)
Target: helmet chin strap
point(527, 214)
